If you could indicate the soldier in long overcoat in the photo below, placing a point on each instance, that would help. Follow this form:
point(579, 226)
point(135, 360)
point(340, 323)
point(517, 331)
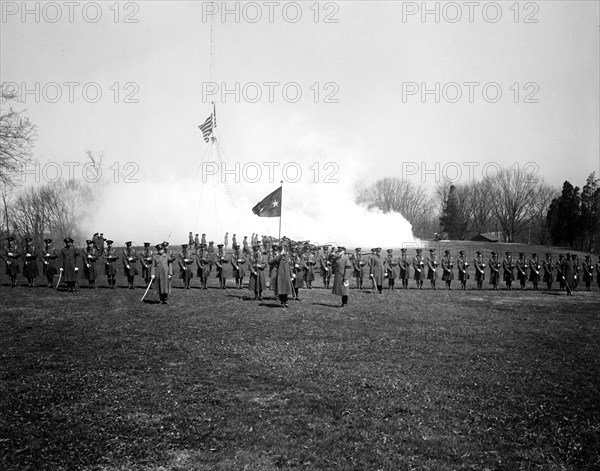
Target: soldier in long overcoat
point(588, 272)
point(508, 267)
point(11, 255)
point(162, 272)
point(68, 264)
point(342, 273)
point(186, 264)
point(534, 271)
point(521, 265)
point(418, 266)
point(404, 265)
point(110, 260)
point(494, 265)
point(376, 270)
point(283, 280)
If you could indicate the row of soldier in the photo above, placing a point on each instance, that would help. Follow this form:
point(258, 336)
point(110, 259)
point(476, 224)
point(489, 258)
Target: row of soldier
point(308, 260)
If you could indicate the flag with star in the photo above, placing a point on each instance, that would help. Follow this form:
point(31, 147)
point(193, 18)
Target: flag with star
point(270, 206)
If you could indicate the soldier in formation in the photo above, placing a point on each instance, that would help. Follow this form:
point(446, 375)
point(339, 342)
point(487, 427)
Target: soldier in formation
point(418, 267)
point(479, 266)
point(130, 260)
point(494, 264)
point(89, 263)
point(404, 266)
point(432, 265)
point(30, 267)
point(49, 257)
point(110, 262)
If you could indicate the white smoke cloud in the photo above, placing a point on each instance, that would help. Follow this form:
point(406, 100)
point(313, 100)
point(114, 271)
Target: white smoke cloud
point(319, 174)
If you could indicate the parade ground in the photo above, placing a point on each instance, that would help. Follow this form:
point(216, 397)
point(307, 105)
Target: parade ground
point(215, 380)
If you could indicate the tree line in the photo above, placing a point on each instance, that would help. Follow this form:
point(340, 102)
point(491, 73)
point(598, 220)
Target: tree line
point(513, 205)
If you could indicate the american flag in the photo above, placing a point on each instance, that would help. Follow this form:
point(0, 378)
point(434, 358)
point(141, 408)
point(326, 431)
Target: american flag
point(207, 127)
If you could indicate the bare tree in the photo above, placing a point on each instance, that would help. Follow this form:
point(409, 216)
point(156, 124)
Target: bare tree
point(543, 196)
point(395, 194)
point(513, 195)
point(17, 135)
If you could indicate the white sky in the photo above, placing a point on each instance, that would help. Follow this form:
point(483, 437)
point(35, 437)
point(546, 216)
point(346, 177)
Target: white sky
point(368, 57)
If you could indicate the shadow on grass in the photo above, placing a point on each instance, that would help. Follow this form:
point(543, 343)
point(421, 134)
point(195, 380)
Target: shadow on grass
point(151, 301)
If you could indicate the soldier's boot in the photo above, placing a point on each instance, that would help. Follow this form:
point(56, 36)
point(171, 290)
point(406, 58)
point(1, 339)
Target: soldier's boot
point(344, 301)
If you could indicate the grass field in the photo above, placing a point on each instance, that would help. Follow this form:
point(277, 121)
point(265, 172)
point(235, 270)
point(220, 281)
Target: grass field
point(439, 380)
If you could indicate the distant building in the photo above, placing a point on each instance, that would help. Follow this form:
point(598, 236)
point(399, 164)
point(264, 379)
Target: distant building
point(487, 237)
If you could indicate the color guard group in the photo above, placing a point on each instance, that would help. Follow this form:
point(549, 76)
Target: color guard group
point(288, 266)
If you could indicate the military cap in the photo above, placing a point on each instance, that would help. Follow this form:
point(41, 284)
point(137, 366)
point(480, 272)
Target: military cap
point(341, 248)
point(568, 254)
point(165, 243)
point(128, 242)
point(548, 254)
point(210, 242)
point(219, 245)
point(10, 239)
point(146, 244)
point(561, 255)
point(390, 250)
point(478, 252)
point(521, 254)
point(109, 242)
point(256, 246)
point(95, 233)
point(67, 240)
point(358, 249)
point(587, 257)
point(461, 252)
point(236, 246)
point(508, 253)
point(274, 246)
point(446, 251)
point(89, 242)
point(494, 252)
point(159, 246)
point(403, 250)
point(534, 254)
point(432, 250)
point(47, 240)
point(419, 250)
point(184, 246)
point(377, 249)
point(102, 233)
point(29, 239)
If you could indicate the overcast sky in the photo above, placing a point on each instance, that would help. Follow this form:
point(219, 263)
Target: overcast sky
point(334, 92)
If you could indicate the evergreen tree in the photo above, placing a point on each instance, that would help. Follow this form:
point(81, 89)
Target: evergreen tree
point(452, 220)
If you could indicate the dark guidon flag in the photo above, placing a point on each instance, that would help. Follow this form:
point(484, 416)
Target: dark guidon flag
point(270, 206)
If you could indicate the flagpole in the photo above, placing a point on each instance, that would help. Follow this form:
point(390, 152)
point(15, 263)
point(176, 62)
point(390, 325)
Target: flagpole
point(280, 211)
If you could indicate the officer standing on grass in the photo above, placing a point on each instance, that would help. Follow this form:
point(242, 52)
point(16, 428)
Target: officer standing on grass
point(68, 264)
point(161, 273)
point(282, 281)
point(325, 265)
point(598, 272)
point(341, 282)
point(376, 271)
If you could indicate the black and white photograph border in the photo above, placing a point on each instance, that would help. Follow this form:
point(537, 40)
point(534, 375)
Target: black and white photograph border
point(299, 235)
